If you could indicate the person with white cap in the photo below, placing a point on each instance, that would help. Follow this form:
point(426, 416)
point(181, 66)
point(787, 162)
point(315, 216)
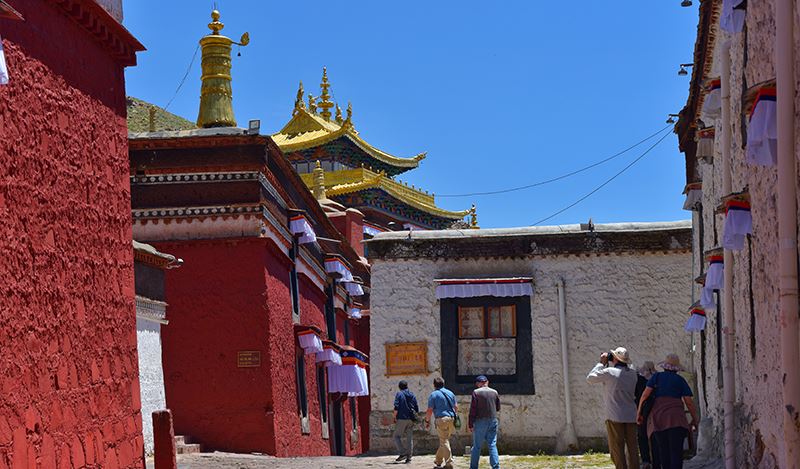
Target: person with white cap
point(619, 379)
point(666, 423)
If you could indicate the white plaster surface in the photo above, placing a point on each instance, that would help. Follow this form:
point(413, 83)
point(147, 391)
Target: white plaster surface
point(151, 376)
point(637, 301)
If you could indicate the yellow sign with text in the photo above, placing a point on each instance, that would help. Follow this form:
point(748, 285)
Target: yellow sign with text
point(409, 358)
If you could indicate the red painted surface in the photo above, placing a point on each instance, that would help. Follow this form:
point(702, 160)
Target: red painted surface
point(68, 367)
point(351, 225)
point(164, 440)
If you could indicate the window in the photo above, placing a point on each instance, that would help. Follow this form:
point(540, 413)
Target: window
point(300, 374)
point(354, 412)
point(330, 311)
point(490, 336)
point(294, 284)
point(323, 400)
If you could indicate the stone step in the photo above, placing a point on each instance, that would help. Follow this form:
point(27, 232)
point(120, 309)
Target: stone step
point(190, 448)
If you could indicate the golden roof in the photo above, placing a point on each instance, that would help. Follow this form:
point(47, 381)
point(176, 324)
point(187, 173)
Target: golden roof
point(355, 180)
point(307, 129)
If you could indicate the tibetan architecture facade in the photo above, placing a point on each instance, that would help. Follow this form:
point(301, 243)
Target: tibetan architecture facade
point(357, 174)
point(531, 308)
point(738, 134)
point(266, 347)
point(68, 368)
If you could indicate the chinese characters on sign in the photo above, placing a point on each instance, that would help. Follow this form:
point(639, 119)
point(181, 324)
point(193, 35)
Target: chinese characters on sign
point(409, 358)
point(248, 359)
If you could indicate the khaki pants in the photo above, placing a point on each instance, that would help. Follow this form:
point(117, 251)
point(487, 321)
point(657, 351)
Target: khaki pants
point(622, 436)
point(445, 429)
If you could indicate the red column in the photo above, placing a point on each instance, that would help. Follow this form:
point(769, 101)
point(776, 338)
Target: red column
point(164, 440)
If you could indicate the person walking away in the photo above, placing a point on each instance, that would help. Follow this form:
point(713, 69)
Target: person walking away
point(619, 380)
point(667, 420)
point(405, 415)
point(648, 451)
point(483, 422)
point(442, 406)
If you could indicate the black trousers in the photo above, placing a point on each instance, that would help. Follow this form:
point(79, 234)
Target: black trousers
point(670, 447)
point(648, 447)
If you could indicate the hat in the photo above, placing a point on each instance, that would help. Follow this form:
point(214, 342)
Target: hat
point(647, 368)
point(481, 379)
point(621, 354)
point(672, 363)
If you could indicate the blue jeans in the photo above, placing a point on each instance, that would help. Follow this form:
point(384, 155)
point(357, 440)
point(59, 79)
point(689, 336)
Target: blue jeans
point(484, 430)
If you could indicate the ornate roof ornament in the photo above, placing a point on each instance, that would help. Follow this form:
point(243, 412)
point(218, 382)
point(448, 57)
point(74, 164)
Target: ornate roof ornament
point(312, 104)
point(326, 103)
point(298, 102)
point(339, 119)
point(348, 122)
point(319, 182)
point(473, 218)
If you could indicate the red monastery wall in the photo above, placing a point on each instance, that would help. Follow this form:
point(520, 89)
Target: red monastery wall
point(68, 368)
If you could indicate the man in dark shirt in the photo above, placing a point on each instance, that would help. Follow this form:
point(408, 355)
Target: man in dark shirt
point(405, 414)
point(483, 422)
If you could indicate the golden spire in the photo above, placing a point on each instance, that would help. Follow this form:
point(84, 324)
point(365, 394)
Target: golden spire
point(348, 122)
point(319, 182)
point(473, 218)
point(216, 95)
point(312, 104)
point(339, 119)
point(326, 103)
point(298, 102)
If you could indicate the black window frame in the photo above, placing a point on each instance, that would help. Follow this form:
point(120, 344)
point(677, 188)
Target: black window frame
point(330, 309)
point(300, 382)
point(522, 382)
point(294, 281)
point(354, 412)
point(322, 391)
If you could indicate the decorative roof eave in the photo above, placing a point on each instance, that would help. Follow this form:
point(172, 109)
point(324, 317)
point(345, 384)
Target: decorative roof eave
point(106, 30)
point(321, 132)
point(8, 12)
point(148, 254)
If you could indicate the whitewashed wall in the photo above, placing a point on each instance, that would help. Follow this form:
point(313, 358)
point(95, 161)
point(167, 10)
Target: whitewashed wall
point(151, 376)
point(636, 301)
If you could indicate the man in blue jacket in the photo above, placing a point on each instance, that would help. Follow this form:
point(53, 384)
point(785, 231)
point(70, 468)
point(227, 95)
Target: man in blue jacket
point(405, 414)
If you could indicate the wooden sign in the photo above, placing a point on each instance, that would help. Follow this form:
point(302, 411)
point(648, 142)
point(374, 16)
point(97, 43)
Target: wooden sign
point(410, 358)
point(248, 359)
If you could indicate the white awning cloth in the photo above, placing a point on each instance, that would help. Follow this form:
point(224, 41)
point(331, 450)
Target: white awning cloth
point(470, 288)
point(299, 226)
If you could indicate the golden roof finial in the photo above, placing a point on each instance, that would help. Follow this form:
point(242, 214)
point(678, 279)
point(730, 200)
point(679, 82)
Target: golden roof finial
point(312, 104)
point(298, 101)
point(473, 218)
point(326, 103)
point(348, 121)
point(216, 95)
point(319, 182)
point(339, 119)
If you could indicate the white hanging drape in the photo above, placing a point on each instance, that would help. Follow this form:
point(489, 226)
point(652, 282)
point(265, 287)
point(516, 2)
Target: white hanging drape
point(762, 133)
point(299, 226)
point(484, 287)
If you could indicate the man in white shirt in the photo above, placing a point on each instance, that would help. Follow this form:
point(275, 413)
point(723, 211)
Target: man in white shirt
point(619, 379)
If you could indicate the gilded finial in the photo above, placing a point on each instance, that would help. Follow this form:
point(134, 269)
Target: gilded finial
point(339, 118)
point(215, 25)
point(473, 218)
point(319, 182)
point(326, 103)
point(312, 104)
point(298, 101)
point(348, 121)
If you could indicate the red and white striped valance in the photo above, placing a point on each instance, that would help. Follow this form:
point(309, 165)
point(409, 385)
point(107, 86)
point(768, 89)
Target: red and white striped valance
point(697, 319)
point(329, 355)
point(299, 226)
point(309, 338)
point(762, 133)
point(336, 266)
point(694, 195)
point(738, 223)
point(354, 289)
point(705, 143)
point(470, 288)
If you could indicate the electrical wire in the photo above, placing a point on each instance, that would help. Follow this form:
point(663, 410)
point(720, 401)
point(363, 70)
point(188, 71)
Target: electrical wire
point(605, 183)
point(185, 75)
point(563, 176)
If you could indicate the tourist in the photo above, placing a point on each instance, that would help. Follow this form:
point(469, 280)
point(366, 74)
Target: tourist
point(619, 380)
point(667, 419)
point(483, 422)
point(405, 414)
point(648, 450)
point(442, 406)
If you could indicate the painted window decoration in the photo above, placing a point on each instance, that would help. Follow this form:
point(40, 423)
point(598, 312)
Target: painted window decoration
point(309, 339)
point(697, 319)
point(738, 221)
point(712, 102)
point(3, 68)
point(714, 278)
point(733, 14)
point(694, 195)
point(762, 133)
point(705, 143)
point(299, 226)
point(487, 340)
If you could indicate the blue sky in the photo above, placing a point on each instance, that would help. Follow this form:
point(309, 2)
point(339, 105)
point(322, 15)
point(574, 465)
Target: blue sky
point(500, 94)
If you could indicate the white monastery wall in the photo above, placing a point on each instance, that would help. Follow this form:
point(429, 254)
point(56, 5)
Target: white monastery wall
point(636, 301)
point(151, 376)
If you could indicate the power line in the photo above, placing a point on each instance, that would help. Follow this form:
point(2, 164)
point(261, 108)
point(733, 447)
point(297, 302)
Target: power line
point(183, 80)
point(605, 183)
point(563, 176)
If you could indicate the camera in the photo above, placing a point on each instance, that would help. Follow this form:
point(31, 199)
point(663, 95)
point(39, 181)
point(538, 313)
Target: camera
point(609, 357)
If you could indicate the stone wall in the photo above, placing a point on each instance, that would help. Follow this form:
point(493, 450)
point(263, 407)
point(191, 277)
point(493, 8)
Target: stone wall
point(68, 367)
point(759, 404)
point(634, 300)
point(151, 376)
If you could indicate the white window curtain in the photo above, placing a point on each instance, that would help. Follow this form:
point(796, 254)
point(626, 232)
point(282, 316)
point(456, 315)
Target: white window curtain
point(762, 133)
point(733, 15)
point(470, 288)
point(299, 225)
